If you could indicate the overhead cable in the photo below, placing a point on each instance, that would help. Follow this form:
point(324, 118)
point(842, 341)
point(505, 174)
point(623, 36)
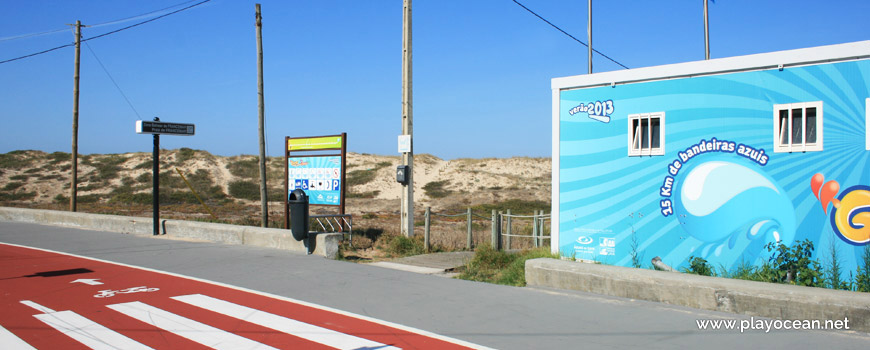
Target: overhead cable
point(569, 35)
point(109, 33)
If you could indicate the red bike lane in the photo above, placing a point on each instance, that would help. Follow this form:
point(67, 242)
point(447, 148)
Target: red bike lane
point(52, 300)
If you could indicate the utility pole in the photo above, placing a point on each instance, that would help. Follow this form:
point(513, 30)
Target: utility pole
point(589, 33)
point(407, 212)
point(264, 201)
point(74, 157)
point(706, 32)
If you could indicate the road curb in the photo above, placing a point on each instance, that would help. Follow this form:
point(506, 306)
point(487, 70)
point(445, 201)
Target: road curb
point(777, 301)
point(326, 244)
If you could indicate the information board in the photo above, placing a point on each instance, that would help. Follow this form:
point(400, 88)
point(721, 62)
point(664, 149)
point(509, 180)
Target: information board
point(319, 177)
point(316, 165)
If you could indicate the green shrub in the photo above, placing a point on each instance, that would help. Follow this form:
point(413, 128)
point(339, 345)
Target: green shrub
point(436, 189)
point(371, 194)
point(499, 267)
point(144, 178)
point(794, 265)
point(699, 266)
point(245, 190)
point(58, 157)
point(184, 154)
point(400, 246)
point(108, 167)
point(245, 168)
point(360, 177)
point(12, 186)
point(15, 160)
point(16, 196)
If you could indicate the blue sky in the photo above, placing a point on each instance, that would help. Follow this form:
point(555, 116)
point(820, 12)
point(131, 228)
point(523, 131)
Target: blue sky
point(482, 68)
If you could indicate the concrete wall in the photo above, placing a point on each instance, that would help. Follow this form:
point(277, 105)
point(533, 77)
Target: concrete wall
point(778, 301)
point(326, 244)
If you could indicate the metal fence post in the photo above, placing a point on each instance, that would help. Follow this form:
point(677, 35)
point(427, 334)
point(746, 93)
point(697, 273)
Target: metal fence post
point(468, 242)
point(507, 237)
point(535, 228)
point(428, 221)
point(542, 228)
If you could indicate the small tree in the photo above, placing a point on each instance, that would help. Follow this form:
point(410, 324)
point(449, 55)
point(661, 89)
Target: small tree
point(795, 265)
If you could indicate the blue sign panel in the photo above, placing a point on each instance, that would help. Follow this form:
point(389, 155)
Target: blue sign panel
point(319, 177)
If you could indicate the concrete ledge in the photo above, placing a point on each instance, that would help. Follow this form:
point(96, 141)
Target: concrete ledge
point(770, 300)
point(325, 245)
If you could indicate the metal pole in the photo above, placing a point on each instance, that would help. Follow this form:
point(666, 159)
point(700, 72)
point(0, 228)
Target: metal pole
point(535, 228)
point(407, 211)
point(264, 200)
point(706, 32)
point(589, 33)
point(74, 157)
point(155, 180)
point(507, 238)
point(468, 241)
point(428, 223)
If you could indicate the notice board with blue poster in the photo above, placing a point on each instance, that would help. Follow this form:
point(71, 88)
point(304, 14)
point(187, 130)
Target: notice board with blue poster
point(317, 166)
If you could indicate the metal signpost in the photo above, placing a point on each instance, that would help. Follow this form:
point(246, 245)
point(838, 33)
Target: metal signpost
point(156, 128)
point(321, 176)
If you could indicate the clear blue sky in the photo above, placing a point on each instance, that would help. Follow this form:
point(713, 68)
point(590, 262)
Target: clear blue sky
point(482, 68)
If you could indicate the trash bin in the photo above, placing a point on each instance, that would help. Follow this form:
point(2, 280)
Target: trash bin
point(298, 205)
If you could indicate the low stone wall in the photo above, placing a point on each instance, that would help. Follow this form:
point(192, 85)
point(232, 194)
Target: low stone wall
point(325, 245)
point(778, 301)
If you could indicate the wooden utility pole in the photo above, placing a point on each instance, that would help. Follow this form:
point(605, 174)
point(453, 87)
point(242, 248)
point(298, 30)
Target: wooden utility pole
point(589, 34)
point(407, 123)
point(264, 201)
point(74, 157)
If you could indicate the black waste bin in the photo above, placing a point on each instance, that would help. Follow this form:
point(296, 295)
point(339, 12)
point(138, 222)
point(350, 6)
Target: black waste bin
point(298, 205)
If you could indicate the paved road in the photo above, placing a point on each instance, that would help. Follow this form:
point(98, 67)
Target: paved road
point(489, 315)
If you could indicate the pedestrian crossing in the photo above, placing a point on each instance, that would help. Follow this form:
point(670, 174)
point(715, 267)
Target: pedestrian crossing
point(101, 336)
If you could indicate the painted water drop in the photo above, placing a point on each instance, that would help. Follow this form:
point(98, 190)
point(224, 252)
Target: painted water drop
point(734, 209)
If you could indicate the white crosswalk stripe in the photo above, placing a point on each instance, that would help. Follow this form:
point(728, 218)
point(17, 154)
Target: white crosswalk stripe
point(185, 327)
point(12, 342)
point(87, 332)
point(304, 330)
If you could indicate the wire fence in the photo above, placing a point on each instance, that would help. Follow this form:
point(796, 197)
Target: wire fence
point(507, 231)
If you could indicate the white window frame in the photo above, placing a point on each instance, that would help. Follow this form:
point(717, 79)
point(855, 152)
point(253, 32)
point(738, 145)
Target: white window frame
point(783, 131)
point(635, 138)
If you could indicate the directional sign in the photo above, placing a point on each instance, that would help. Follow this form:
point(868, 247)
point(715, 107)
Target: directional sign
point(136, 308)
point(164, 128)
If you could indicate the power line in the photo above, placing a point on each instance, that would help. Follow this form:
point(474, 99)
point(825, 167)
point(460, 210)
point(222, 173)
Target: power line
point(566, 33)
point(150, 20)
point(109, 33)
point(122, 20)
point(113, 80)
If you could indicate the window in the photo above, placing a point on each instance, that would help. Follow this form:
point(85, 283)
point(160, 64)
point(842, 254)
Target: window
point(646, 134)
point(797, 127)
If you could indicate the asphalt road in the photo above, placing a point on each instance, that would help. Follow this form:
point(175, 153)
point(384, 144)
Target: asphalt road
point(489, 315)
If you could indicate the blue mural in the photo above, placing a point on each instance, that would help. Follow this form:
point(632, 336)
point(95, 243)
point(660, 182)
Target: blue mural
point(719, 191)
